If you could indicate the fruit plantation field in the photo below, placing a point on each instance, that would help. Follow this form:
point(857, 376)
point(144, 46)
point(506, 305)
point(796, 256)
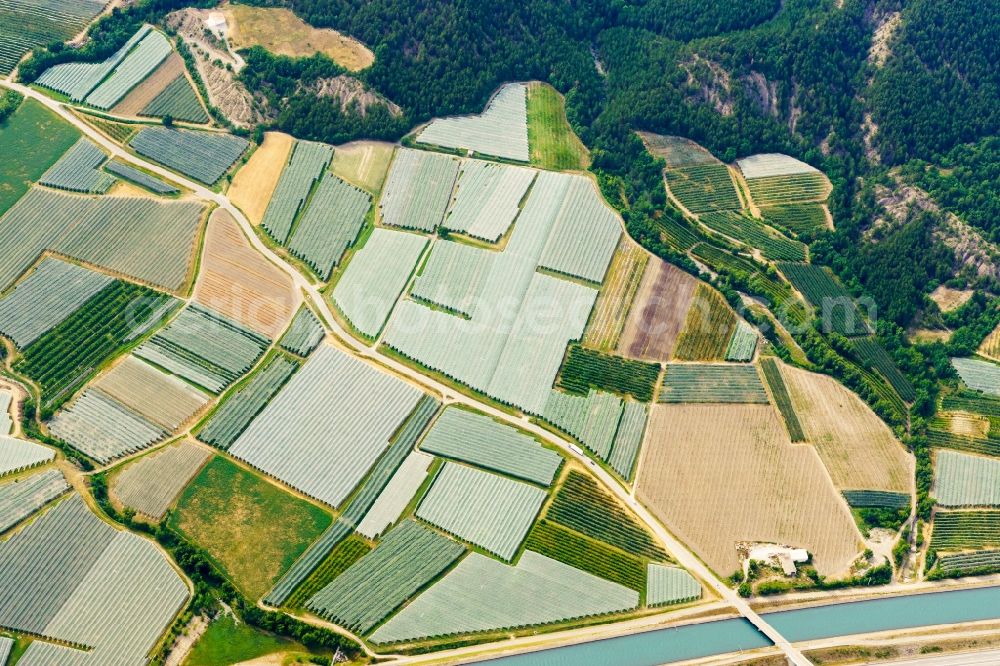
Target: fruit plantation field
point(251, 528)
point(622, 283)
point(718, 474)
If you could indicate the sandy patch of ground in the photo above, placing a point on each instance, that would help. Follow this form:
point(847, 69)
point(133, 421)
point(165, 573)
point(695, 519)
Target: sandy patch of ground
point(254, 183)
point(658, 313)
point(967, 425)
point(183, 643)
point(880, 50)
point(126, 189)
point(155, 83)
point(720, 474)
point(363, 163)
point(240, 283)
point(218, 68)
point(857, 447)
point(351, 93)
point(949, 299)
point(280, 31)
point(929, 335)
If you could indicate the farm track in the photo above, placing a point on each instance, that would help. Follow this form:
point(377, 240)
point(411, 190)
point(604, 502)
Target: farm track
point(684, 556)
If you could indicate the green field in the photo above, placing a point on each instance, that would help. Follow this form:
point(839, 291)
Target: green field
point(249, 527)
point(553, 143)
point(31, 141)
point(225, 642)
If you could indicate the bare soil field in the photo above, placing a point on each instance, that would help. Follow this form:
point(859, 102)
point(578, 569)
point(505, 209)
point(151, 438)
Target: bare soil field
point(857, 447)
point(615, 300)
point(658, 312)
point(949, 299)
point(254, 184)
point(240, 283)
point(719, 474)
point(967, 425)
point(155, 83)
point(363, 163)
point(280, 31)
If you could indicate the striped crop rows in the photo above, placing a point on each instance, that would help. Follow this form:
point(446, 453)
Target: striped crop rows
point(481, 441)
point(874, 355)
point(490, 511)
point(76, 80)
point(481, 594)
point(586, 369)
point(204, 156)
point(79, 170)
point(628, 440)
point(376, 276)
point(146, 239)
point(708, 327)
point(743, 344)
point(179, 101)
point(808, 218)
point(794, 188)
point(832, 302)
point(703, 188)
point(137, 65)
point(966, 530)
point(20, 499)
point(345, 554)
point(73, 578)
point(453, 277)
point(139, 177)
point(17, 454)
point(329, 225)
point(945, 440)
point(685, 383)
point(151, 484)
point(204, 347)
point(868, 499)
point(103, 428)
point(782, 400)
point(304, 334)
point(595, 557)
point(501, 130)
point(63, 358)
point(364, 499)
point(396, 495)
point(26, 24)
point(970, 562)
point(409, 557)
point(239, 409)
point(580, 504)
point(487, 199)
point(305, 167)
point(749, 231)
point(583, 215)
point(158, 397)
point(591, 419)
point(966, 480)
point(670, 585)
point(51, 293)
point(418, 189)
point(332, 392)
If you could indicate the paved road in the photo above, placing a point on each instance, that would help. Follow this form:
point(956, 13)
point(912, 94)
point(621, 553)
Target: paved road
point(685, 557)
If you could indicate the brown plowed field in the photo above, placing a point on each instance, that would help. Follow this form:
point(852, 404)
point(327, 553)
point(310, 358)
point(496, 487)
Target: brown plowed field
point(240, 283)
point(658, 312)
point(856, 446)
point(719, 474)
point(145, 92)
